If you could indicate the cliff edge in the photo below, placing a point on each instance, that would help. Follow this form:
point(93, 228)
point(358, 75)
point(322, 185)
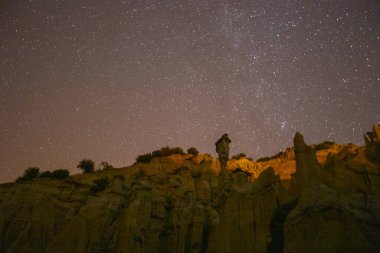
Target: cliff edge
point(304, 200)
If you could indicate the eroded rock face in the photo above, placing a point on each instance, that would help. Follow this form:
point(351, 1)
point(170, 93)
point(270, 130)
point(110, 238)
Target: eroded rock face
point(245, 215)
point(141, 212)
point(184, 204)
point(331, 214)
point(307, 164)
point(372, 141)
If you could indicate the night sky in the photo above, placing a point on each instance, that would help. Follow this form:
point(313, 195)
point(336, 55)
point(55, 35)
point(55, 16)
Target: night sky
point(109, 80)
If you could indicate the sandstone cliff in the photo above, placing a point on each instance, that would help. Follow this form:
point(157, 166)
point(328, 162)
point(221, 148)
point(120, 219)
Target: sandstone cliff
point(184, 203)
point(338, 204)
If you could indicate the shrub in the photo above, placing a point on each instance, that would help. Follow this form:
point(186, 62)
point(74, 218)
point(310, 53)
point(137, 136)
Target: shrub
point(29, 173)
point(238, 156)
point(193, 151)
point(57, 174)
point(99, 184)
point(324, 145)
point(144, 158)
point(267, 158)
point(87, 165)
point(32, 172)
point(163, 152)
point(167, 151)
point(105, 166)
point(60, 174)
point(46, 174)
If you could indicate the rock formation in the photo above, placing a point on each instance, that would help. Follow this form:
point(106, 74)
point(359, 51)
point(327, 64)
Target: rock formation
point(372, 141)
point(223, 151)
point(245, 215)
point(307, 164)
point(332, 214)
point(183, 203)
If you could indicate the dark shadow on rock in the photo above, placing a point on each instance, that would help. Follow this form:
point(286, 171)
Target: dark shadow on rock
point(276, 227)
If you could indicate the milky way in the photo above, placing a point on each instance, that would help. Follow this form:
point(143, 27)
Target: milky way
point(109, 80)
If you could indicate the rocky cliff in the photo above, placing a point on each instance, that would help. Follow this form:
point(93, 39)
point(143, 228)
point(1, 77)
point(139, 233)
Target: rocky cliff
point(319, 198)
point(338, 203)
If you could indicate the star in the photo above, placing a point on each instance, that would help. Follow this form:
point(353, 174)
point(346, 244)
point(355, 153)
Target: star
point(112, 80)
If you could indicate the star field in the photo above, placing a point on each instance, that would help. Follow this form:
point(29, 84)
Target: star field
point(109, 80)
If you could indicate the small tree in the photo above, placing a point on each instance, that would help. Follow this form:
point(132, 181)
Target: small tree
point(57, 174)
point(193, 151)
point(238, 156)
point(105, 166)
point(144, 158)
point(60, 174)
point(29, 173)
point(99, 184)
point(87, 165)
point(46, 174)
point(163, 152)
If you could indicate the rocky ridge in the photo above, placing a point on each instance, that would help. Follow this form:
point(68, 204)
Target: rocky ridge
point(322, 198)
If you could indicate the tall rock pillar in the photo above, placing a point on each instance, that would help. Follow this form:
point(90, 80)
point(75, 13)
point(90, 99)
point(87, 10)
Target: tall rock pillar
point(372, 143)
point(223, 150)
point(306, 163)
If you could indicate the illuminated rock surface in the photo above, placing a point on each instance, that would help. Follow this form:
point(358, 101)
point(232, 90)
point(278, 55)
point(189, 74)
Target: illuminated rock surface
point(183, 203)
